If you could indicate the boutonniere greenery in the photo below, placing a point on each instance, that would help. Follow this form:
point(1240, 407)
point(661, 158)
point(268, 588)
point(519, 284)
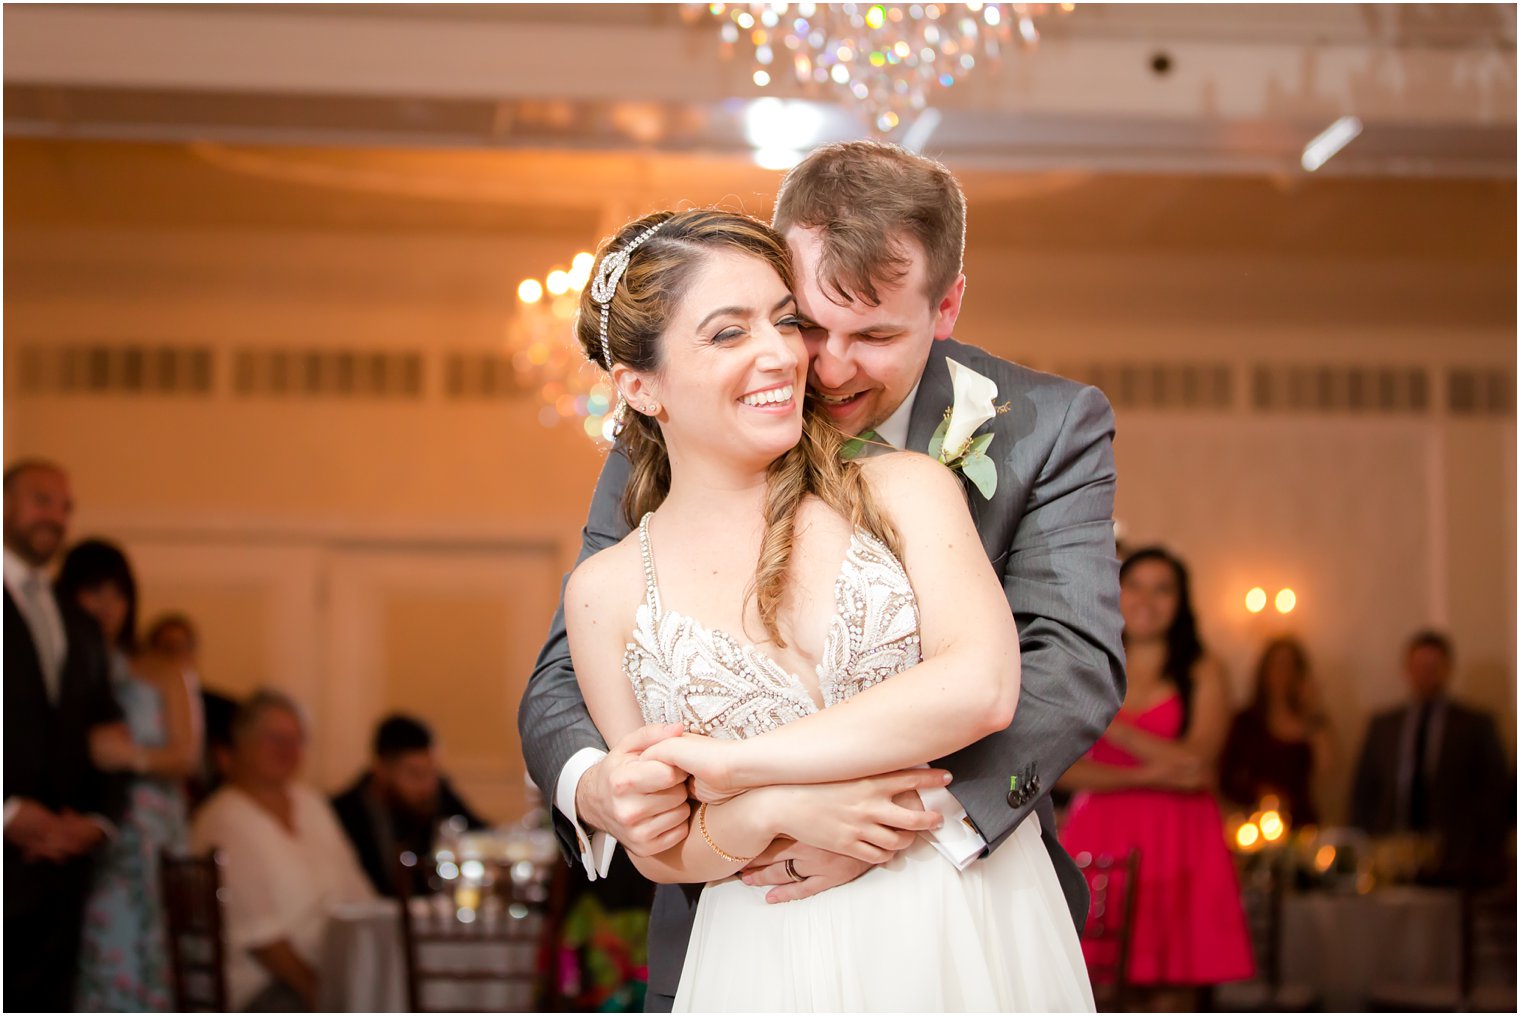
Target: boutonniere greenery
point(956, 442)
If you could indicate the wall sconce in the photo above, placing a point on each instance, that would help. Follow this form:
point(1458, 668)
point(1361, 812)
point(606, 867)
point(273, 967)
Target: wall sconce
point(1285, 601)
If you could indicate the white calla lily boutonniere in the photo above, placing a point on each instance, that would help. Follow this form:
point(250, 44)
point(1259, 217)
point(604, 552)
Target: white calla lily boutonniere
point(955, 442)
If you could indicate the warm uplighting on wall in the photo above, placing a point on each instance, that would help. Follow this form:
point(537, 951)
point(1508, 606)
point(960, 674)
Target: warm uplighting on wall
point(1256, 600)
point(1286, 601)
point(545, 354)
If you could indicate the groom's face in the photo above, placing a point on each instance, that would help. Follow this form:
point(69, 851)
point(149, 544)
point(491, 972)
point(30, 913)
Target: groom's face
point(865, 360)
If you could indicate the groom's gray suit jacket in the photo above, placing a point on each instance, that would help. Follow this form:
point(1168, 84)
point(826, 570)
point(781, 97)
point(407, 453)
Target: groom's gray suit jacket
point(1048, 531)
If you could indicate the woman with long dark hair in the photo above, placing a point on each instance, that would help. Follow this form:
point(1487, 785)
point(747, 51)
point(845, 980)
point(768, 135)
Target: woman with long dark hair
point(1281, 741)
point(124, 963)
point(1146, 785)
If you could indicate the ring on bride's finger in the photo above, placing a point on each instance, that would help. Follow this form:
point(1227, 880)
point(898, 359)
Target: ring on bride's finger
point(791, 871)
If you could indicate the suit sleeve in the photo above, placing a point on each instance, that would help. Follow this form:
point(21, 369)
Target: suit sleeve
point(552, 720)
point(1365, 792)
point(105, 794)
point(1062, 581)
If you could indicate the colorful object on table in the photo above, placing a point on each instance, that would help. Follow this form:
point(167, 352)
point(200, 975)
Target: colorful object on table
point(604, 958)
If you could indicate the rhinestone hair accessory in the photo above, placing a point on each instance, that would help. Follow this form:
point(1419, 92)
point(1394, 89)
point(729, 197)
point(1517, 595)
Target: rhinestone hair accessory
point(603, 288)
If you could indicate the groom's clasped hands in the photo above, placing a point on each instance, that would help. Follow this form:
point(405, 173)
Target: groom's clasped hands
point(643, 792)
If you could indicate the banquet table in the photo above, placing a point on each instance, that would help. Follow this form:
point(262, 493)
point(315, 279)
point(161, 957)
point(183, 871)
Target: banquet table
point(1345, 946)
point(364, 967)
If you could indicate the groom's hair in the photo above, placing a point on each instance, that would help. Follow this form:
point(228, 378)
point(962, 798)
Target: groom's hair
point(864, 197)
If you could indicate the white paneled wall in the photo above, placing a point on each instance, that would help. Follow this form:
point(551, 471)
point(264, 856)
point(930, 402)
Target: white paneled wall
point(444, 630)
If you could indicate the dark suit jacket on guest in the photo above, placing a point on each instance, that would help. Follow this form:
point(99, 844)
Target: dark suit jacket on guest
point(47, 760)
point(379, 836)
point(1470, 794)
point(1048, 531)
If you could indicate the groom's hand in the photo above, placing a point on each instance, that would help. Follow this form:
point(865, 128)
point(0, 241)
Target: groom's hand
point(640, 802)
point(816, 869)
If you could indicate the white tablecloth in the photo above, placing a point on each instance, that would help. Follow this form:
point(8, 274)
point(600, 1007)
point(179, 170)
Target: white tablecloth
point(1346, 946)
point(364, 968)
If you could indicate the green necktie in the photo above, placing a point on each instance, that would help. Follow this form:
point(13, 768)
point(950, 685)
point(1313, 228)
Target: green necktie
point(855, 445)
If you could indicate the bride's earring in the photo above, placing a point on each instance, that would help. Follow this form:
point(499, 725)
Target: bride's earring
point(652, 409)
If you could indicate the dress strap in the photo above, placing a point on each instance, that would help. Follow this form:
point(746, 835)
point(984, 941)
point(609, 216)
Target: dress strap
point(651, 590)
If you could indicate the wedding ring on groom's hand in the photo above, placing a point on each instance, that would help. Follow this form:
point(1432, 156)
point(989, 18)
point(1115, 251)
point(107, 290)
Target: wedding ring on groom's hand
point(791, 871)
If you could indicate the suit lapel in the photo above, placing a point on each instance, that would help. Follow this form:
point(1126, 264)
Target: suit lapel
point(935, 395)
point(22, 658)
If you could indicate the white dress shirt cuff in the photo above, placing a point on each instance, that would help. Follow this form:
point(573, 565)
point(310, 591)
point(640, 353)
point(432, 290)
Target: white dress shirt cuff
point(597, 848)
point(957, 839)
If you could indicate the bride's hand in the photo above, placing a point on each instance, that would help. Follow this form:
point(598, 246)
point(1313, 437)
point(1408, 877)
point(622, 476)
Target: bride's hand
point(700, 791)
point(869, 819)
point(708, 760)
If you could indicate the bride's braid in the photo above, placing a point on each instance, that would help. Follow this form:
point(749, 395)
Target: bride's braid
point(626, 329)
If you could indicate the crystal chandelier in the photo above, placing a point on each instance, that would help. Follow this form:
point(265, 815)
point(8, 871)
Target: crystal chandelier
point(888, 57)
point(545, 355)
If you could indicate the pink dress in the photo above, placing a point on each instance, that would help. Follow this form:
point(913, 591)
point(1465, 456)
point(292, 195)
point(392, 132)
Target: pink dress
point(1190, 928)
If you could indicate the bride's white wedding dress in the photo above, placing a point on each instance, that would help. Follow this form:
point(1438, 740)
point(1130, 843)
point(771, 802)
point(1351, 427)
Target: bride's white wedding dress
point(911, 935)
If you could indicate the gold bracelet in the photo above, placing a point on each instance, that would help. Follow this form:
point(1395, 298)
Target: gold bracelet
point(702, 824)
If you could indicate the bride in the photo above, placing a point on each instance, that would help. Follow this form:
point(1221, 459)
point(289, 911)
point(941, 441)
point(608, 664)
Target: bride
point(808, 619)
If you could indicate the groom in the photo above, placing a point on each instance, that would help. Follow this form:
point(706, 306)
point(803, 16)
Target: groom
point(876, 235)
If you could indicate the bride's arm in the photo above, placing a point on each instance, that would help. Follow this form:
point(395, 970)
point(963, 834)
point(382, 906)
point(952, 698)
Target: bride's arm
point(598, 605)
point(863, 820)
point(966, 688)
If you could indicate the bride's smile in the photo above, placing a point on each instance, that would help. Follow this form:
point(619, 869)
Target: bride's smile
point(732, 365)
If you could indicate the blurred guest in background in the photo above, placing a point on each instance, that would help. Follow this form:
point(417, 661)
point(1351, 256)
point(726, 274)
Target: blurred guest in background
point(398, 803)
point(1434, 767)
point(1146, 785)
point(1281, 742)
point(124, 959)
point(287, 861)
point(58, 804)
point(175, 636)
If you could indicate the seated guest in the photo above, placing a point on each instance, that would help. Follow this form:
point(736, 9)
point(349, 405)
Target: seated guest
point(398, 804)
point(1279, 743)
point(287, 861)
point(174, 635)
point(1434, 767)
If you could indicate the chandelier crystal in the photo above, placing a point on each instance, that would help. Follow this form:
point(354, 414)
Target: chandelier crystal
point(544, 353)
point(889, 58)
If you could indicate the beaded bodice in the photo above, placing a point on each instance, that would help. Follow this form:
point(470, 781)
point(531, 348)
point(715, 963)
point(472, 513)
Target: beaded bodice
point(714, 684)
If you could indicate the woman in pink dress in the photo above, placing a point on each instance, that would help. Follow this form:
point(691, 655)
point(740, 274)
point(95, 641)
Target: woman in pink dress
point(1147, 784)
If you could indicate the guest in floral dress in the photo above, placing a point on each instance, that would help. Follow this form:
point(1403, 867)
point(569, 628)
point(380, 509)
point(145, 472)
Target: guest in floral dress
point(124, 961)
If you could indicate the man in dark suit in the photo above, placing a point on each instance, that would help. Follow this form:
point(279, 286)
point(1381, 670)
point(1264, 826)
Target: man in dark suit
point(398, 804)
point(876, 235)
point(59, 807)
point(1434, 767)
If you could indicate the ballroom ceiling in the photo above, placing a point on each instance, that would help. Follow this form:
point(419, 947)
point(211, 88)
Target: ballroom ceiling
point(1112, 88)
